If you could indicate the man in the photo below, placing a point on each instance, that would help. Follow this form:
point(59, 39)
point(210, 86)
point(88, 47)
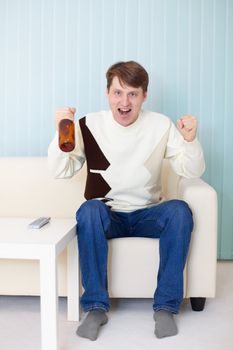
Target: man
point(124, 149)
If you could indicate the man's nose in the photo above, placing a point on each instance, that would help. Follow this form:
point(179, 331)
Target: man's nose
point(125, 100)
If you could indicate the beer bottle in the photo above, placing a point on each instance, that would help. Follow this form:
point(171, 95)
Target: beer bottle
point(66, 135)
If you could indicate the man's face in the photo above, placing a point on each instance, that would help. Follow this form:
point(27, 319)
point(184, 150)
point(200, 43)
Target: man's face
point(125, 102)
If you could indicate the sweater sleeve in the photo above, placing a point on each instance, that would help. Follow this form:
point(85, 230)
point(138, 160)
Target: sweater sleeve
point(186, 158)
point(66, 164)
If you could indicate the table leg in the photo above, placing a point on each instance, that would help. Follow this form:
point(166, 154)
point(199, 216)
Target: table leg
point(73, 281)
point(49, 300)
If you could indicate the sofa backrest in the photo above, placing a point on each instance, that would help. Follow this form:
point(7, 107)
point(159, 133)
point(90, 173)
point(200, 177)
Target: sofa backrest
point(28, 189)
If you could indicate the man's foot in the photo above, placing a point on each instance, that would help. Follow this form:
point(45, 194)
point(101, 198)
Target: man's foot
point(165, 325)
point(92, 323)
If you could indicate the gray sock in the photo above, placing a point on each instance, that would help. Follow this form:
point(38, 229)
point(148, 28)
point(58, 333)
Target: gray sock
point(165, 325)
point(91, 325)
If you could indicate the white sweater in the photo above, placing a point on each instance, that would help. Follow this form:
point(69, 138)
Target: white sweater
point(124, 163)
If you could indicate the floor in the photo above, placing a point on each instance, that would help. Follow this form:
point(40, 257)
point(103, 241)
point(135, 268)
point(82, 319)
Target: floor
point(130, 323)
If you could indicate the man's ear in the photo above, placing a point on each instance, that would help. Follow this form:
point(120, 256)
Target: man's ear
point(107, 91)
point(145, 96)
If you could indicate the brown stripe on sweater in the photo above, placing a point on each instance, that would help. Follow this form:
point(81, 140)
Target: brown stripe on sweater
point(96, 186)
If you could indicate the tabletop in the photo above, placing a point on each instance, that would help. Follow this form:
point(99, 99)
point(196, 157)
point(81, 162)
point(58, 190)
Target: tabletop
point(16, 230)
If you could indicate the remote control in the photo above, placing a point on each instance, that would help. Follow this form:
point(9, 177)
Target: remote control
point(38, 223)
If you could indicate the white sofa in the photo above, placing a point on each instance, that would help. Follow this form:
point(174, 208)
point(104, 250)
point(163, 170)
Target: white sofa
point(28, 190)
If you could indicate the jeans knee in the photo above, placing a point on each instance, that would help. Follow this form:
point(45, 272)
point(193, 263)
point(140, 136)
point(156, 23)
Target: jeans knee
point(180, 206)
point(92, 221)
point(89, 207)
point(182, 211)
point(93, 214)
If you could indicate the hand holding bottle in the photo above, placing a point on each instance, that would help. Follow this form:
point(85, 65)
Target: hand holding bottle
point(64, 113)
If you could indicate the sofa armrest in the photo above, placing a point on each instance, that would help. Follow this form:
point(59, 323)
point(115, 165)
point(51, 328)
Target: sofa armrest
point(202, 259)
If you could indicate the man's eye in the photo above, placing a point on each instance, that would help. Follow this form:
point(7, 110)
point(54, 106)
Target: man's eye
point(117, 93)
point(133, 94)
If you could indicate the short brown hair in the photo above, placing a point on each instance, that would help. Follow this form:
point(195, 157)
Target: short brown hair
point(129, 73)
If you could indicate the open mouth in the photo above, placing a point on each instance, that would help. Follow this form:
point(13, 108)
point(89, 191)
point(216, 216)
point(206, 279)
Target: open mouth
point(124, 112)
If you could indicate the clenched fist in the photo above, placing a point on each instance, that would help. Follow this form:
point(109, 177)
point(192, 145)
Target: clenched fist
point(187, 126)
point(64, 113)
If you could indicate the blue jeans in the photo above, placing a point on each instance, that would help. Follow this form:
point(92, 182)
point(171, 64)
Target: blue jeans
point(169, 221)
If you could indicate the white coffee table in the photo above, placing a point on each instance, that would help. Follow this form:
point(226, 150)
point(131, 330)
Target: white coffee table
point(17, 241)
